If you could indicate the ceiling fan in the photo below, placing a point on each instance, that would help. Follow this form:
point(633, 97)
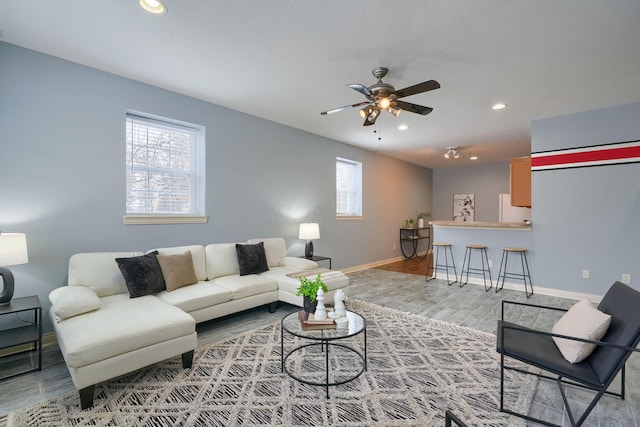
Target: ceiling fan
point(382, 96)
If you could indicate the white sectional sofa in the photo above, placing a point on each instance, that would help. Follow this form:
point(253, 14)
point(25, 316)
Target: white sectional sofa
point(104, 332)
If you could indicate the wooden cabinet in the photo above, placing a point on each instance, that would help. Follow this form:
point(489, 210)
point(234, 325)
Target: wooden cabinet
point(521, 182)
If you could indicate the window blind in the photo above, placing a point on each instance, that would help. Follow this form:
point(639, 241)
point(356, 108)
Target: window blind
point(162, 167)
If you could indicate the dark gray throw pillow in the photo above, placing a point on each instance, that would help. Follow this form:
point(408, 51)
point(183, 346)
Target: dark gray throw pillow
point(142, 274)
point(251, 258)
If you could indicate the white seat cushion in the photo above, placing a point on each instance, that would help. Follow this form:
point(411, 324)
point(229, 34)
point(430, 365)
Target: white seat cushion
point(222, 260)
point(333, 279)
point(274, 247)
point(195, 297)
point(246, 286)
point(121, 325)
point(99, 271)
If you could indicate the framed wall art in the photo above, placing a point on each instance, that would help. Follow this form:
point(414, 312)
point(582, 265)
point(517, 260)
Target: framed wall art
point(464, 207)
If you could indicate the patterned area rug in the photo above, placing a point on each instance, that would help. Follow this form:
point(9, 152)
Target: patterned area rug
point(417, 369)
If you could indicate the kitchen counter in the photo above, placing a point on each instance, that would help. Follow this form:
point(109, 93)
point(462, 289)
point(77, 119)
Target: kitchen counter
point(482, 224)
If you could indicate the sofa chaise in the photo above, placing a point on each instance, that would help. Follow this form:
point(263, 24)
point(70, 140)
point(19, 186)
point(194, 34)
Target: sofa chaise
point(104, 331)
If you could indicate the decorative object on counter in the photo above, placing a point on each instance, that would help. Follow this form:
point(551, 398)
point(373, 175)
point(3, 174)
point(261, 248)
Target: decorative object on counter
point(408, 223)
point(339, 298)
point(309, 231)
point(321, 311)
point(13, 251)
point(309, 290)
point(420, 217)
point(464, 207)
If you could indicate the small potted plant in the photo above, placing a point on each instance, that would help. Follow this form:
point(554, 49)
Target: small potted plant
point(308, 289)
point(421, 216)
point(408, 223)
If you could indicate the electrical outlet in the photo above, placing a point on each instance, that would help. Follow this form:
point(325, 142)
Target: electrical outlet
point(626, 279)
point(585, 274)
point(490, 263)
point(394, 247)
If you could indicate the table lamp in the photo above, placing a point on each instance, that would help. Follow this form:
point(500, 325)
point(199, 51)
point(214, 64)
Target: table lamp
point(308, 232)
point(13, 251)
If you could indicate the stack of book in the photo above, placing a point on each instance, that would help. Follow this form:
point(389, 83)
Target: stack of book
point(308, 322)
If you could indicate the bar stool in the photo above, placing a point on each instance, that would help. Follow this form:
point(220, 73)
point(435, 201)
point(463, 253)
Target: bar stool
point(502, 272)
point(468, 269)
point(437, 266)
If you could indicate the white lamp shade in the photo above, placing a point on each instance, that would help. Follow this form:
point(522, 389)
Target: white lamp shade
point(309, 231)
point(13, 249)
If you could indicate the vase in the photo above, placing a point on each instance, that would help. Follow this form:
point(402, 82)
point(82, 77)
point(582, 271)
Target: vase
point(420, 222)
point(309, 307)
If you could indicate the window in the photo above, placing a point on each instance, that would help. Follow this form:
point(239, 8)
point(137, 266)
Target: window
point(165, 171)
point(348, 189)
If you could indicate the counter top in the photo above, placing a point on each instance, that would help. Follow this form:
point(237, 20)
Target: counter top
point(482, 224)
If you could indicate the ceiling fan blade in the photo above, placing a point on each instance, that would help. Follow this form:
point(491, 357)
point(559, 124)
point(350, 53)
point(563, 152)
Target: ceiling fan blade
point(419, 88)
point(346, 107)
point(414, 108)
point(362, 89)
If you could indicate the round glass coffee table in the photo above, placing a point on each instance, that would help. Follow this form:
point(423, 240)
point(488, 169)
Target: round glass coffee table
point(342, 362)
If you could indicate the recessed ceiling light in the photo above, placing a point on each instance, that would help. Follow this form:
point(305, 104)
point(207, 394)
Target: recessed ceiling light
point(499, 106)
point(403, 127)
point(473, 158)
point(153, 6)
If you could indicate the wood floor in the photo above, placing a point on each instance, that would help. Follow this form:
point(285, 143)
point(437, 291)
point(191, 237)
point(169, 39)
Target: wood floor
point(409, 265)
point(469, 306)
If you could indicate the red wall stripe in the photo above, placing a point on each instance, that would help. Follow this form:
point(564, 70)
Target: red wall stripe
point(589, 156)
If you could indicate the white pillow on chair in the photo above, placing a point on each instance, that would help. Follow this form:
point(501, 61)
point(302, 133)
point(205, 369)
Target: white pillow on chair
point(585, 321)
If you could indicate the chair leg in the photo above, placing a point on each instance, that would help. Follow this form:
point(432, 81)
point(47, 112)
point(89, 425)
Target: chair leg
point(434, 261)
point(503, 264)
point(453, 264)
point(526, 274)
point(486, 258)
point(467, 253)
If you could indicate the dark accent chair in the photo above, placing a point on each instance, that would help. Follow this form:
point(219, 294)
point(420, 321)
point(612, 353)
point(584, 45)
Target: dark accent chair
point(596, 372)
point(450, 419)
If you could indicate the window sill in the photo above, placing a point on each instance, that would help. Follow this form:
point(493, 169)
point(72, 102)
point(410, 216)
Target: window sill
point(164, 219)
point(349, 217)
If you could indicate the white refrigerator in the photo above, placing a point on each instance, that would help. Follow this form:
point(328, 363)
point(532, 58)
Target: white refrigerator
point(508, 213)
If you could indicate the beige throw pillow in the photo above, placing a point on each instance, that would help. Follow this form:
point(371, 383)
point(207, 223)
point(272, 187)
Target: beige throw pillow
point(582, 320)
point(177, 270)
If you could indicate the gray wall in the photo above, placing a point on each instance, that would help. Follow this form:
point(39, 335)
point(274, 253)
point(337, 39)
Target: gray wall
point(587, 218)
point(485, 181)
point(584, 218)
point(62, 175)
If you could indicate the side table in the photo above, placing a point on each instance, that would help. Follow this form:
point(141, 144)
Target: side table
point(411, 237)
point(319, 258)
point(326, 341)
point(21, 330)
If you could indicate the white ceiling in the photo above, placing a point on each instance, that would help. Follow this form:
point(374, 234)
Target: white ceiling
point(288, 60)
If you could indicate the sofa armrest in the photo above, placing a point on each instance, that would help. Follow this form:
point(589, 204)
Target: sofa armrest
point(69, 301)
point(301, 263)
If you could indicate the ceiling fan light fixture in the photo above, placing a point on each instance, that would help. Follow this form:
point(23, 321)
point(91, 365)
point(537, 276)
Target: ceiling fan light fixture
point(153, 6)
point(384, 103)
point(373, 115)
point(395, 111)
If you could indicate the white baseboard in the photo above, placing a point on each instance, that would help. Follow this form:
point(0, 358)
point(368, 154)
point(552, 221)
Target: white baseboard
point(537, 289)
